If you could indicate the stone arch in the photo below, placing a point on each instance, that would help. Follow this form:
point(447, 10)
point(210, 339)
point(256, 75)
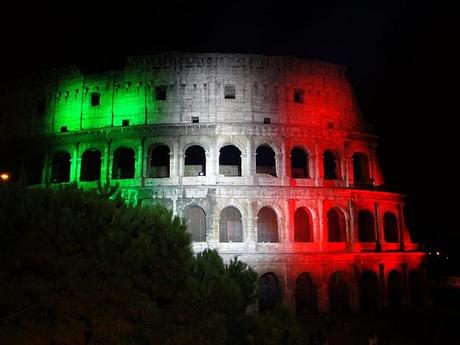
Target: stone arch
point(91, 165)
point(395, 289)
point(415, 287)
point(303, 225)
point(366, 226)
point(230, 225)
point(305, 295)
point(195, 217)
point(266, 160)
point(60, 167)
point(267, 225)
point(299, 163)
point(195, 161)
point(159, 161)
point(123, 163)
point(361, 171)
point(390, 227)
point(230, 160)
point(336, 225)
point(369, 291)
point(269, 292)
point(339, 299)
point(331, 165)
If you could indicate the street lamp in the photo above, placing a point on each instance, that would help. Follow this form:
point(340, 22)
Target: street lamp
point(4, 177)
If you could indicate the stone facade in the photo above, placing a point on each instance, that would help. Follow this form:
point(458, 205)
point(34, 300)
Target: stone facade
point(167, 128)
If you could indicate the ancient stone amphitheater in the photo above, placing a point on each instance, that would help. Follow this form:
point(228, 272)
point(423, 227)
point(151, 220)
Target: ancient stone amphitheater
point(267, 158)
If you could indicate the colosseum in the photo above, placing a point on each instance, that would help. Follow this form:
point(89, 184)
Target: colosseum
point(267, 159)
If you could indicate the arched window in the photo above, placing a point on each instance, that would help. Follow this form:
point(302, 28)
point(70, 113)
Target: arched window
point(366, 226)
point(395, 290)
point(60, 170)
point(361, 168)
point(330, 166)
point(369, 291)
point(123, 163)
point(299, 163)
point(265, 160)
point(415, 287)
point(302, 226)
point(230, 226)
point(230, 161)
point(338, 293)
point(159, 161)
point(269, 292)
point(336, 231)
point(305, 295)
point(267, 225)
point(196, 223)
point(390, 227)
point(195, 161)
point(90, 165)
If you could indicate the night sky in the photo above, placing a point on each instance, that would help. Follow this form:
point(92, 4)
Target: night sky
point(399, 56)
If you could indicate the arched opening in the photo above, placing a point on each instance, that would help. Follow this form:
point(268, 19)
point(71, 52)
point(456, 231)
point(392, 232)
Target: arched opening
point(338, 293)
point(330, 166)
point(416, 288)
point(60, 169)
point(366, 226)
point(269, 292)
point(369, 291)
point(299, 163)
point(305, 295)
point(196, 223)
point(34, 169)
point(159, 161)
point(336, 231)
point(390, 227)
point(90, 165)
point(195, 161)
point(265, 160)
point(230, 161)
point(230, 225)
point(123, 163)
point(267, 225)
point(395, 290)
point(302, 226)
point(361, 168)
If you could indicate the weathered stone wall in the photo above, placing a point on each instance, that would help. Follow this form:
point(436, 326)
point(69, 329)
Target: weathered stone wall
point(281, 103)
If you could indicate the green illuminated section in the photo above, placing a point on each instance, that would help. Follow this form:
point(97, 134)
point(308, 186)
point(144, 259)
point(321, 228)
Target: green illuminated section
point(102, 100)
point(67, 105)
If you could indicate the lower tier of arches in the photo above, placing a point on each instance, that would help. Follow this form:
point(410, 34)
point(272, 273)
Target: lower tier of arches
point(308, 284)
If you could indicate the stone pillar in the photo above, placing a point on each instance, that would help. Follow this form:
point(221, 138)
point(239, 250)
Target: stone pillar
point(75, 164)
point(346, 177)
point(383, 291)
point(319, 168)
point(379, 236)
point(352, 239)
point(401, 224)
point(354, 288)
point(321, 234)
point(323, 291)
point(405, 284)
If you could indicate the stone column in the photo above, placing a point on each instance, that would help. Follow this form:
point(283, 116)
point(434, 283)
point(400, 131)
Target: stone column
point(379, 236)
point(383, 292)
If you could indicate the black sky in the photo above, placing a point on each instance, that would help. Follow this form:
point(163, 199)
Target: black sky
point(399, 54)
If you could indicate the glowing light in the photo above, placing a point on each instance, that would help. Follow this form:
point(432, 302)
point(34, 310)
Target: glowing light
point(4, 177)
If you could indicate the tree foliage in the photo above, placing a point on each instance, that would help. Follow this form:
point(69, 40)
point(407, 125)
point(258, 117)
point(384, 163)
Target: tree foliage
point(83, 268)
